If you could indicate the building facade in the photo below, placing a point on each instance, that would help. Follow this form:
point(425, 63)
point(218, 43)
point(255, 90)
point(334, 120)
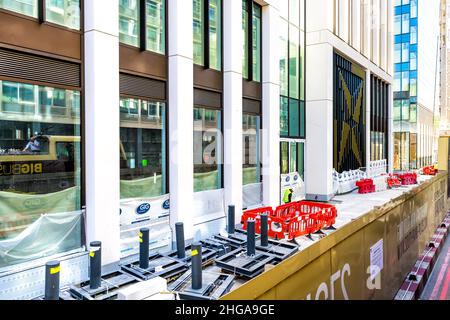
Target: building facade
point(416, 85)
point(116, 115)
point(348, 90)
point(122, 114)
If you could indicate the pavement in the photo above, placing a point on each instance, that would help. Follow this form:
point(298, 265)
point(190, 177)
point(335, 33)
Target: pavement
point(438, 285)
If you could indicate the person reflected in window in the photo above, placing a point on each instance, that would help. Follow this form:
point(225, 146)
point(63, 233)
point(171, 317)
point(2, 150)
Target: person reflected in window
point(33, 145)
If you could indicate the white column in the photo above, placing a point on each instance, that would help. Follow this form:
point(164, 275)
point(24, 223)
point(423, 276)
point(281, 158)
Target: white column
point(232, 104)
point(356, 24)
point(390, 38)
point(343, 20)
point(367, 30)
point(319, 121)
point(368, 120)
point(181, 123)
point(375, 18)
point(391, 130)
point(102, 124)
point(271, 106)
point(383, 34)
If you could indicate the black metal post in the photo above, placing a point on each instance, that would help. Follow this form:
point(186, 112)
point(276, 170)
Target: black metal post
point(264, 230)
point(181, 246)
point(144, 246)
point(231, 219)
point(251, 238)
point(52, 271)
point(95, 262)
point(197, 281)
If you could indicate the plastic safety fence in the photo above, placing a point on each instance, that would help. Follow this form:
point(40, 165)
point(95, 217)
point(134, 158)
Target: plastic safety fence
point(408, 179)
point(365, 186)
point(429, 171)
point(293, 220)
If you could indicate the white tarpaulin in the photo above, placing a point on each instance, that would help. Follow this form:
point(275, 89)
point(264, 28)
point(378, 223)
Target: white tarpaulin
point(49, 235)
point(252, 195)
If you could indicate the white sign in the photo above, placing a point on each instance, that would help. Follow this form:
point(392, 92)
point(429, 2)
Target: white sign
point(138, 210)
point(376, 259)
point(292, 181)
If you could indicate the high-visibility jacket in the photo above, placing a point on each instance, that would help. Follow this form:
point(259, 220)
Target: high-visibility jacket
point(286, 198)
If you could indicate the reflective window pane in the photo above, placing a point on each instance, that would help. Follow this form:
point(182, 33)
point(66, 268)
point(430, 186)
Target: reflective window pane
point(63, 12)
point(142, 149)
point(40, 170)
point(256, 43)
point(198, 27)
point(129, 22)
point(251, 149)
point(26, 7)
point(155, 20)
point(215, 34)
point(284, 57)
point(208, 149)
point(284, 117)
point(245, 24)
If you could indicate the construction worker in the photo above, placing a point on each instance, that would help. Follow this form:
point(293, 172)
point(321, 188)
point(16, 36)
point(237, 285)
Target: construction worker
point(288, 196)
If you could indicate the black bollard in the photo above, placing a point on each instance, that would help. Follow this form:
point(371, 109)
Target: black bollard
point(196, 252)
point(181, 246)
point(144, 246)
point(95, 262)
point(52, 271)
point(231, 219)
point(264, 230)
point(251, 238)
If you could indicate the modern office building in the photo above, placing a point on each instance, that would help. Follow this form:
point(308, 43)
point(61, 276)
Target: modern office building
point(122, 114)
point(348, 89)
point(416, 85)
point(444, 123)
point(116, 115)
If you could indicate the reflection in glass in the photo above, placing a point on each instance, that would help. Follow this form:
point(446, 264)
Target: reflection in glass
point(129, 22)
point(252, 149)
point(142, 149)
point(40, 167)
point(26, 7)
point(208, 149)
point(215, 34)
point(198, 26)
point(245, 24)
point(156, 19)
point(256, 42)
point(63, 12)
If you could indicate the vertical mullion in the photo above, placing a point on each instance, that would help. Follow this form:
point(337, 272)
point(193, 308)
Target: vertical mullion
point(250, 39)
point(41, 11)
point(206, 34)
point(142, 25)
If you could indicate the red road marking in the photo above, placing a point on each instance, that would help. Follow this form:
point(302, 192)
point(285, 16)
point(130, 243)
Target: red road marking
point(445, 288)
point(441, 275)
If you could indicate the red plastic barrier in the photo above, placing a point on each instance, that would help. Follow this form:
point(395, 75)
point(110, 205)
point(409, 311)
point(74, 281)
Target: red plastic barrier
point(429, 171)
point(294, 219)
point(393, 181)
point(408, 179)
point(365, 186)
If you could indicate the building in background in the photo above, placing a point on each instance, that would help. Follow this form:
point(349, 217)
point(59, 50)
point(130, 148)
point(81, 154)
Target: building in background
point(348, 89)
point(444, 66)
point(416, 82)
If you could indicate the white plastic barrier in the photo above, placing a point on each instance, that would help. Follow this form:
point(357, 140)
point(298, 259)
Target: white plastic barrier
point(346, 181)
point(380, 183)
point(377, 168)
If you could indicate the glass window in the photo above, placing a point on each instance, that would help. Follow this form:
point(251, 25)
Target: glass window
point(155, 20)
point(129, 22)
point(397, 109)
point(413, 88)
point(405, 110)
point(142, 149)
point(208, 149)
point(413, 113)
point(397, 81)
point(398, 53)
point(294, 68)
point(293, 157)
point(63, 12)
point(405, 23)
point(294, 118)
point(284, 117)
point(413, 8)
point(413, 34)
point(215, 34)
point(413, 61)
point(284, 157)
point(40, 172)
point(256, 42)
point(397, 25)
point(252, 149)
point(284, 58)
point(405, 81)
point(405, 52)
point(301, 160)
point(245, 25)
point(198, 24)
point(413, 151)
point(26, 7)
